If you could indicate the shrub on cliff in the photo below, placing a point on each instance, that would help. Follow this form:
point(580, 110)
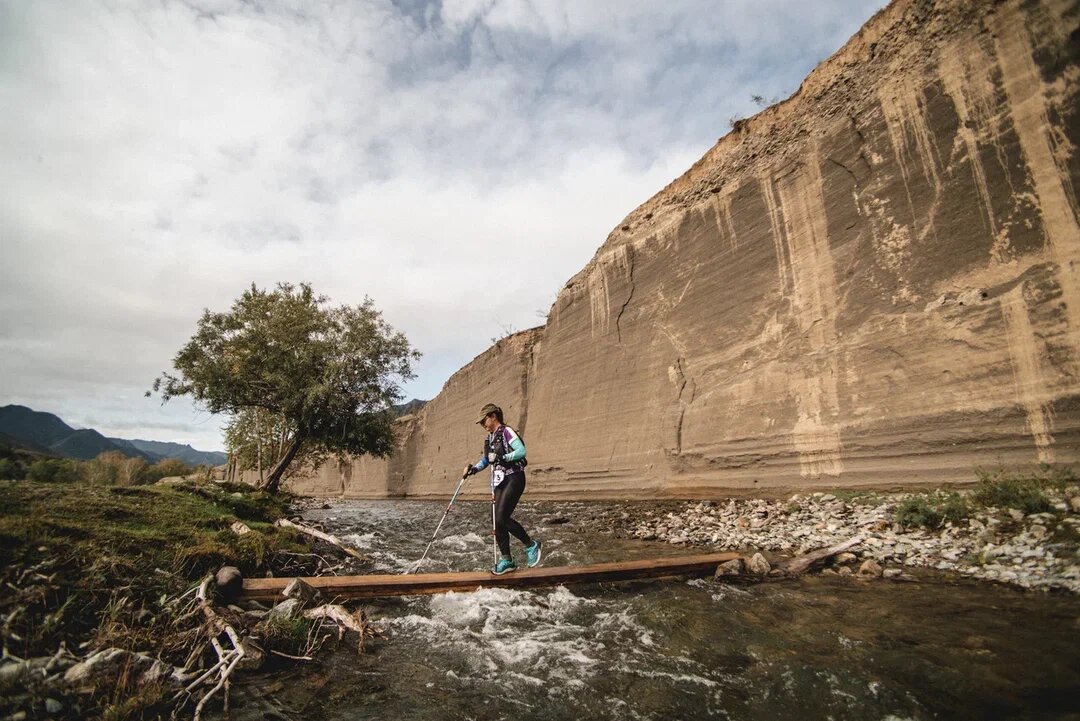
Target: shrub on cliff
point(330, 373)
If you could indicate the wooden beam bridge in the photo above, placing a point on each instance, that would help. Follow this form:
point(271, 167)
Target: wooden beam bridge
point(376, 586)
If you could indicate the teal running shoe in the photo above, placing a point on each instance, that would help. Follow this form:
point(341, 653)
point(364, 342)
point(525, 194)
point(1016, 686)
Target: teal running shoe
point(505, 565)
point(532, 553)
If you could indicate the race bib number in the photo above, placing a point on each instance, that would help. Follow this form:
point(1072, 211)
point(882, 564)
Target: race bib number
point(497, 477)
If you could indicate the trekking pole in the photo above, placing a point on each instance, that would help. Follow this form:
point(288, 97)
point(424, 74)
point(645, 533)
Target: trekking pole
point(494, 546)
point(433, 535)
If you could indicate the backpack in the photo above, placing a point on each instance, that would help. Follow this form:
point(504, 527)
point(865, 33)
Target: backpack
point(518, 464)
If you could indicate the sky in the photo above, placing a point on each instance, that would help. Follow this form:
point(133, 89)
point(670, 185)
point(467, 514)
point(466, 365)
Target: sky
point(455, 160)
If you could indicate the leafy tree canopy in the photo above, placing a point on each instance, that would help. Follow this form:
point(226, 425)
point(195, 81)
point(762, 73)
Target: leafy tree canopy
point(329, 373)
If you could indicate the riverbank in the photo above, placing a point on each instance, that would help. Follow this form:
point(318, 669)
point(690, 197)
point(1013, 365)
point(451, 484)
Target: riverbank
point(97, 609)
point(1021, 530)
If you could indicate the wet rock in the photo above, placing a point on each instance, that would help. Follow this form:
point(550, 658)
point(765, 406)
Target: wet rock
point(758, 565)
point(733, 567)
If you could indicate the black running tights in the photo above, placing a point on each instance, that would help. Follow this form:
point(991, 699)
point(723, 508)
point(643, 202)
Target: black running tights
point(506, 499)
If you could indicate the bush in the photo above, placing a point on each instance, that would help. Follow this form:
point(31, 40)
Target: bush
point(11, 470)
point(1025, 493)
point(932, 510)
point(53, 470)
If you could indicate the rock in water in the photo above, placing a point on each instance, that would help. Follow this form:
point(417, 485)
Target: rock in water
point(229, 582)
point(870, 569)
point(759, 566)
point(734, 567)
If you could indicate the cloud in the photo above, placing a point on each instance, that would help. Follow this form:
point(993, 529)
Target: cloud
point(457, 161)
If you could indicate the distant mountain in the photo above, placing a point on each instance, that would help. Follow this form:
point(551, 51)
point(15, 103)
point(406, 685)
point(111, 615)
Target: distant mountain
point(406, 409)
point(184, 452)
point(25, 424)
point(87, 443)
point(9, 444)
point(45, 433)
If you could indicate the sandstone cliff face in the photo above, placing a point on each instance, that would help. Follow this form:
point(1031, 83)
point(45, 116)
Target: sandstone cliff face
point(874, 282)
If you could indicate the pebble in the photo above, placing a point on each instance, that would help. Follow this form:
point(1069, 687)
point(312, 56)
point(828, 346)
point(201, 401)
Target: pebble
point(995, 544)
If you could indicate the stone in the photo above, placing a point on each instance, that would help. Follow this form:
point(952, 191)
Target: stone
point(844, 571)
point(842, 558)
point(301, 589)
point(758, 565)
point(1015, 514)
point(287, 610)
point(870, 569)
point(1037, 530)
point(52, 706)
point(733, 567)
point(229, 582)
point(240, 528)
point(892, 573)
point(1074, 504)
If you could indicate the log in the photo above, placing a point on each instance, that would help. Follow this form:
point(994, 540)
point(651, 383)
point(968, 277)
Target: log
point(329, 538)
point(802, 564)
point(381, 586)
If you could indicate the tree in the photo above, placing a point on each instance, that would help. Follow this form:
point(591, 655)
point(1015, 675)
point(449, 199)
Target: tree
point(331, 373)
point(256, 438)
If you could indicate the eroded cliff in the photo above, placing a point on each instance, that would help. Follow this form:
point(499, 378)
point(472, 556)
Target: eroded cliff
point(874, 282)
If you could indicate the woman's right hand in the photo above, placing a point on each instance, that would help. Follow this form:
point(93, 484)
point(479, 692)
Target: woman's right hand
point(468, 471)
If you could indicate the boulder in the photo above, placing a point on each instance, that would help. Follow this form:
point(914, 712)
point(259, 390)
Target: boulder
point(734, 567)
point(870, 569)
point(302, 590)
point(758, 565)
point(285, 611)
point(229, 582)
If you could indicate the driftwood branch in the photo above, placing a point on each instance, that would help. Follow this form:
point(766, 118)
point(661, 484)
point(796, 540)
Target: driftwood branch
point(344, 619)
point(227, 659)
point(802, 564)
point(322, 536)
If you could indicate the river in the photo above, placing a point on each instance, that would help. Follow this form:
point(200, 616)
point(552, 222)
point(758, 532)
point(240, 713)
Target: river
point(815, 648)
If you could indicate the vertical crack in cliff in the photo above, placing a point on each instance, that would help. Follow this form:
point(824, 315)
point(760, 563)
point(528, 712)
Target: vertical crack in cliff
point(684, 381)
point(630, 280)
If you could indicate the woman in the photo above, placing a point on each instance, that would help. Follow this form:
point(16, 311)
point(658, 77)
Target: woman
point(504, 451)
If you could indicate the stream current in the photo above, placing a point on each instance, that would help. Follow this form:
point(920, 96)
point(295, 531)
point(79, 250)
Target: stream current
point(816, 648)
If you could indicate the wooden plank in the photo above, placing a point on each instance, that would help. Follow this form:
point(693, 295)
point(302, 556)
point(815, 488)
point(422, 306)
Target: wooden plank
point(375, 586)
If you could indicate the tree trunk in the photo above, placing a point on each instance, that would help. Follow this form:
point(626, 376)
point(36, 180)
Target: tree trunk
point(274, 481)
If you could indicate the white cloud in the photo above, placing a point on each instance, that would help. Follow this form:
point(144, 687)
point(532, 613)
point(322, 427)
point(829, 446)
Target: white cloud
point(160, 157)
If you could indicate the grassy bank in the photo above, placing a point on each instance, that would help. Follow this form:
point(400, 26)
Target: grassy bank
point(88, 567)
